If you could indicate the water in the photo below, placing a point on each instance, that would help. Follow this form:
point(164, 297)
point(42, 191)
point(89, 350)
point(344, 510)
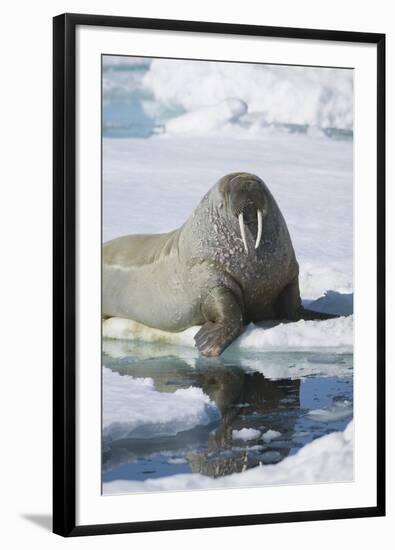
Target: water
point(299, 408)
point(129, 109)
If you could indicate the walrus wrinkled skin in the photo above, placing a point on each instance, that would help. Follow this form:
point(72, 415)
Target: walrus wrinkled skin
point(232, 262)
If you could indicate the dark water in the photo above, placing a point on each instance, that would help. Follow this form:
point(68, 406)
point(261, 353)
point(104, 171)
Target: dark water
point(249, 393)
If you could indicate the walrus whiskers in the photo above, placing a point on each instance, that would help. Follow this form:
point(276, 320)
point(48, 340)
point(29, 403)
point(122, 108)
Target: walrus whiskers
point(259, 234)
point(242, 231)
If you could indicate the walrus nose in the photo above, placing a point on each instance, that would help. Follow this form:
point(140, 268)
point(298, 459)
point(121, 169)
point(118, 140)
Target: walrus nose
point(259, 215)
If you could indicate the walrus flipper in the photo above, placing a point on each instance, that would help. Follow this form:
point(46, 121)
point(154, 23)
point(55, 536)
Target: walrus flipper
point(224, 322)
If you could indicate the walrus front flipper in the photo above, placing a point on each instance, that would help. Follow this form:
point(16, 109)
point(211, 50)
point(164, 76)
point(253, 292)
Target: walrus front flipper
point(224, 322)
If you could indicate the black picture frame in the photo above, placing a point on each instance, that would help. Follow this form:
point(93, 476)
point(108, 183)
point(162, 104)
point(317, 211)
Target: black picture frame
point(64, 272)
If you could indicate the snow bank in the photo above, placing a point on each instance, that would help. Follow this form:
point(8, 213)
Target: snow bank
point(327, 459)
point(207, 119)
point(133, 408)
point(321, 97)
point(301, 334)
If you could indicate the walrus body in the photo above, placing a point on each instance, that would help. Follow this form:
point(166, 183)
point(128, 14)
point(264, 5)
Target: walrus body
point(232, 262)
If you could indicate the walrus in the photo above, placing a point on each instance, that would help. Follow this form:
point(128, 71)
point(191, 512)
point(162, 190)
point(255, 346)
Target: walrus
point(231, 263)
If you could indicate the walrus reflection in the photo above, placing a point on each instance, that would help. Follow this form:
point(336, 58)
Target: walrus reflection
point(245, 399)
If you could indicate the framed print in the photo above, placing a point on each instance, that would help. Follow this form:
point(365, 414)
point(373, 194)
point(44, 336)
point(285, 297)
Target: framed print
point(219, 275)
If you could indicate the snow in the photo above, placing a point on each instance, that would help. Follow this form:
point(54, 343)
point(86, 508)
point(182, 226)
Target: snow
point(301, 334)
point(207, 119)
point(133, 408)
point(246, 434)
point(326, 459)
point(268, 436)
point(298, 95)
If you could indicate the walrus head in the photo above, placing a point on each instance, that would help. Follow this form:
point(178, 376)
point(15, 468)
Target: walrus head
point(245, 197)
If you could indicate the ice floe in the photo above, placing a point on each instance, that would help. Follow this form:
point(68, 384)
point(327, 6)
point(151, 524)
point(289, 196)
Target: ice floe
point(246, 434)
point(133, 408)
point(294, 335)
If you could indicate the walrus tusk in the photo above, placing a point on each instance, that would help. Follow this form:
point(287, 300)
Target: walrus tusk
point(259, 234)
point(242, 231)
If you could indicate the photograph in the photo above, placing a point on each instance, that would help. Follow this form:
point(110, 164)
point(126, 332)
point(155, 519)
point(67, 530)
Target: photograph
point(227, 274)
point(197, 221)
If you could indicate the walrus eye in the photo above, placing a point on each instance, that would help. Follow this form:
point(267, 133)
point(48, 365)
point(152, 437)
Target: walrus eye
point(259, 233)
point(242, 231)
